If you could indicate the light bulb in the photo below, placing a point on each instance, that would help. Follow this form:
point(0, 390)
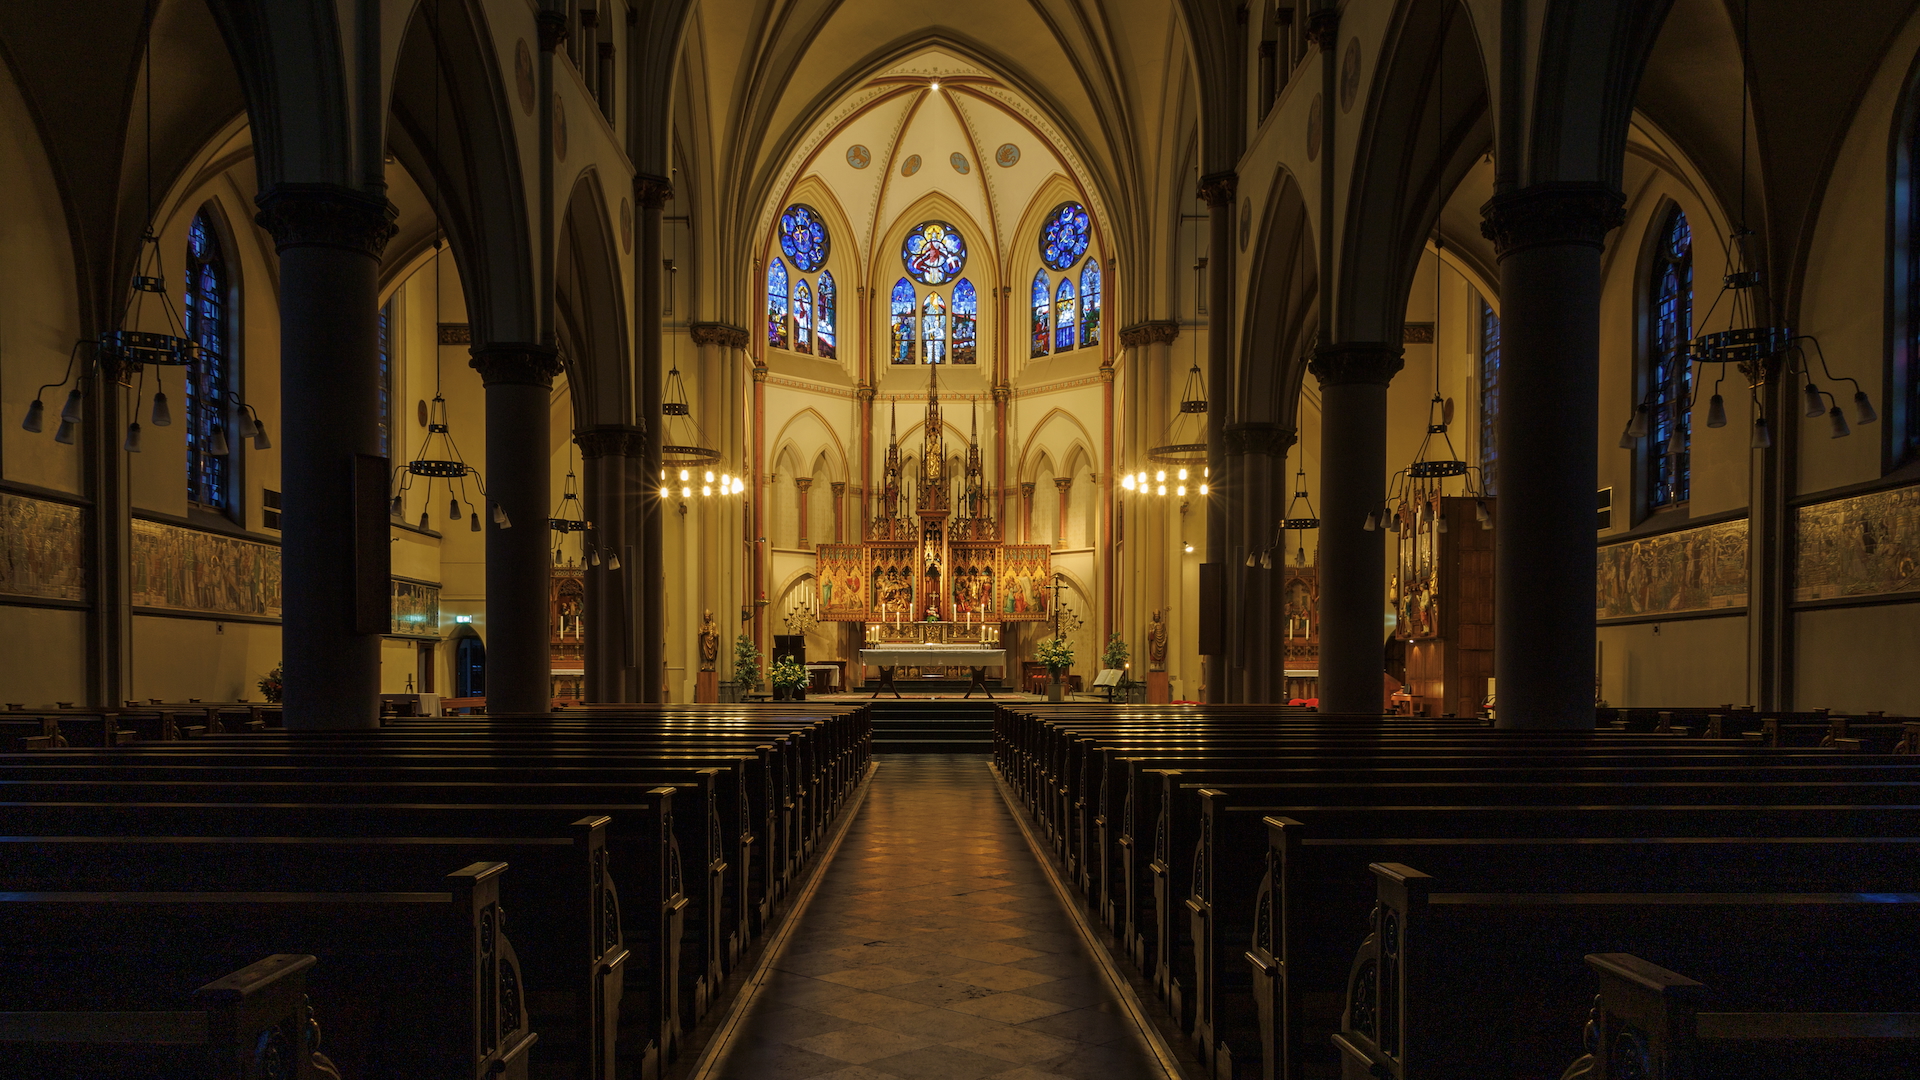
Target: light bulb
point(33, 425)
point(726, 481)
point(1716, 411)
point(1203, 489)
point(1181, 491)
point(70, 412)
point(162, 416)
point(1183, 474)
point(683, 474)
point(1762, 437)
point(709, 476)
point(1189, 548)
point(1862, 409)
point(686, 492)
point(38, 410)
point(706, 489)
point(1838, 420)
point(664, 493)
point(453, 509)
point(260, 440)
point(1372, 523)
point(1162, 490)
point(474, 521)
point(1815, 406)
point(613, 562)
point(220, 448)
point(663, 474)
point(1159, 475)
point(133, 437)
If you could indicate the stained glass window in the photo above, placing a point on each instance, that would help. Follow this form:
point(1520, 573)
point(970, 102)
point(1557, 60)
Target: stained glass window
point(1903, 428)
point(934, 253)
point(903, 309)
point(1090, 304)
point(1489, 395)
point(777, 305)
point(1042, 304)
point(1065, 316)
point(803, 238)
point(823, 313)
point(1669, 374)
point(802, 316)
point(1063, 237)
point(205, 303)
point(933, 329)
point(386, 378)
point(966, 322)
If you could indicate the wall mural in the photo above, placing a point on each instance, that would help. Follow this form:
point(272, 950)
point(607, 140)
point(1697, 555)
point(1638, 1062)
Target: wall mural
point(842, 572)
point(1868, 545)
point(416, 609)
point(43, 550)
point(190, 570)
point(1026, 582)
point(1701, 569)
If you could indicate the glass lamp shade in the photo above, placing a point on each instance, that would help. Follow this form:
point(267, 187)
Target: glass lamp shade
point(1862, 408)
point(1372, 524)
point(453, 509)
point(1717, 411)
point(473, 520)
point(162, 415)
point(1252, 560)
point(64, 433)
point(613, 562)
point(1815, 406)
point(36, 414)
point(261, 442)
point(1638, 425)
point(1762, 435)
point(423, 519)
point(395, 508)
point(1440, 523)
point(593, 556)
point(220, 447)
point(133, 437)
point(1838, 421)
point(70, 412)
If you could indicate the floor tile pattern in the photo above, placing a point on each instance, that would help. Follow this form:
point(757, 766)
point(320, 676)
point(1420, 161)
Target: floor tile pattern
point(934, 949)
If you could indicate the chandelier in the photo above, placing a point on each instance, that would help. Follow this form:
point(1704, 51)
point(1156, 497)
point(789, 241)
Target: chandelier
point(569, 517)
point(442, 462)
point(1291, 522)
point(686, 457)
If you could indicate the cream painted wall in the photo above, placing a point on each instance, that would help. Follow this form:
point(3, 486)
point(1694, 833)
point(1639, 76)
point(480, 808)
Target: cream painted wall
point(175, 659)
point(45, 650)
point(1686, 663)
point(1857, 659)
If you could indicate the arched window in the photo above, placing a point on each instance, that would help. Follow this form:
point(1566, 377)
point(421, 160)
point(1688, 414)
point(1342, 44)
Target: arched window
point(966, 322)
point(1489, 395)
point(802, 316)
point(386, 379)
point(1042, 324)
point(903, 305)
point(777, 304)
point(1669, 374)
point(207, 375)
point(1090, 304)
point(1903, 426)
point(933, 329)
point(1063, 316)
point(823, 316)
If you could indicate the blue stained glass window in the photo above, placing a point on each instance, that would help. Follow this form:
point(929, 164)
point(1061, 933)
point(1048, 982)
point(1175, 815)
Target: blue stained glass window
point(802, 316)
point(933, 329)
point(386, 378)
point(1064, 236)
point(777, 305)
point(823, 316)
point(1669, 372)
point(803, 238)
point(966, 322)
point(1065, 310)
point(1090, 304)
point(902, 304)
point(205, 303)
point(934, 253)
point(1042, 305)
point(1489, 395)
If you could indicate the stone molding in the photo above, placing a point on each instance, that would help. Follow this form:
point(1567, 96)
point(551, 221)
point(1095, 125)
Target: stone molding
point(611, 441)
point(651, 191)
point(456, 333)
point(1259, 437)
point(721, 334)
point(1556, 213)
point(1416, 333)
point(516, 364)
point(1155, 332)
point(553, 28)
point(1218, 189)
point(326, 215)
point(1357, 362)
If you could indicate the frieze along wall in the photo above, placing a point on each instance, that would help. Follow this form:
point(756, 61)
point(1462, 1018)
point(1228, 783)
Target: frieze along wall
point(1703, 569)
point(43, 551)
point(1868, 545)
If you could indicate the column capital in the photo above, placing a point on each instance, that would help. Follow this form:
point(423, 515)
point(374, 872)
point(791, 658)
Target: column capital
point(1002, 394)
point(1259, 437)
point(1218, 189)
point(552, 24)
point(804, 483)
point(611, 440)
point(759, 373)
point(864, 393)
point(1323, 27)
point(1552, 213)
point(1353, 362)
point(714, 333)
point(516, 364)
point(1154, 332)
point(326, 215)
point(1063, 483)
point(839, 488)
point(1026, 488)
point(651, 192)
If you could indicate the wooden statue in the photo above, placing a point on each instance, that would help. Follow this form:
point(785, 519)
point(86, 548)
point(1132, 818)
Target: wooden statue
point(709, 643)
point(1157, 643)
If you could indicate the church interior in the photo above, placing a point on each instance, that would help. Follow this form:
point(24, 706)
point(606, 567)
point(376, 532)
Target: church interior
point(1187, 539)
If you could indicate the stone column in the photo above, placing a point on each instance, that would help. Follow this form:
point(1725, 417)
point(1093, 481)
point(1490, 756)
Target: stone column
point(1353, 483)
point(329, 240)
point(1257, 450)
point(1063, 484)
point(607, 455)
point(804, 484)
point(839, 489)
point(1026, 511)
point(650, 193)
point(519, 381)
point(1218, 191)
point(1549, 238)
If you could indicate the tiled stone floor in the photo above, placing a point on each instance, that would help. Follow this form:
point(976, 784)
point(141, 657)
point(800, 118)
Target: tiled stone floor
point(934, 949)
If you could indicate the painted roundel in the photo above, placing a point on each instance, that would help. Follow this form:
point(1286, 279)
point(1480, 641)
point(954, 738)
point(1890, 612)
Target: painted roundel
point(1063, 239)
point(959, 163)
point(1007, 156)
point(934, 253)
point(859, 156)
point(803, 237)
point(911, 165)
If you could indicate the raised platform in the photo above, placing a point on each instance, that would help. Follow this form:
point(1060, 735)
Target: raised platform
point(923, 726)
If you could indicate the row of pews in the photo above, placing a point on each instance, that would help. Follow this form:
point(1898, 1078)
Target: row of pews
point(1317, 896)
point(200, 908)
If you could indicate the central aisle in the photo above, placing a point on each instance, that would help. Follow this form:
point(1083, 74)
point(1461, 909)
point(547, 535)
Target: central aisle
point(934, 949)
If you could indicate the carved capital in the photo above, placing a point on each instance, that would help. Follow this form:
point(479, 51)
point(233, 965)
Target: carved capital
point(1323, 27)
point(1218, 189)
point(1353, 362)
point(553, 28)
point(839, 488)
point(326, 215)
point(1002, 395)
point(864, 394)
point(1026, 489)
point(651, 192)
point(1259, 437)
point(456, 333)
point(1556, 213)
point(713, 333)
point(1268, 48)
point(804, 483)
point(611, 441)
point(516, 364)
point(759, 373)
point(1064, 483)
point(1416, 333)
point(1157, 332)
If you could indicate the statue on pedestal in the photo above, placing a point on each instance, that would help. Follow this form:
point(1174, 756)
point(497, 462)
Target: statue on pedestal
point(1157, 644)
point(709, 643)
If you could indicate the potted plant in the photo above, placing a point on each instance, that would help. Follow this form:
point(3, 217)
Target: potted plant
point(1115, 658)
point(746, 665)
point(273, 684)
point(789, 680)
point(1057, 654)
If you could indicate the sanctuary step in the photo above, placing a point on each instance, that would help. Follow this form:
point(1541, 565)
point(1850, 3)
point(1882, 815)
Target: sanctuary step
point(932, 727)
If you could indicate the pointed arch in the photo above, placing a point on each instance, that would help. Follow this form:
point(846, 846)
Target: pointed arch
point(1065, 316)
point(209, 302)
point(1090, 304)
point(966, 323)
point(826, 316)
point(802, 316)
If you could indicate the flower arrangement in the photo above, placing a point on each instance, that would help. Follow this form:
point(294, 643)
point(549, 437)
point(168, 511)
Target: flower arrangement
point(1057, 654)
point(746, 665)
point(1116, 655)
point(273, 684)
point(788, 674)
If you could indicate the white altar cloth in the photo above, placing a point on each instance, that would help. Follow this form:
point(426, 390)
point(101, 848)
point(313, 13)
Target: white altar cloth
point(933, 656)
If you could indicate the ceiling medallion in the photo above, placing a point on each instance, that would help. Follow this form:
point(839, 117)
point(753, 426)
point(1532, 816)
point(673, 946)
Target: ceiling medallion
point(910, 166)
point(859, 156)
point(959, 162)
point(1007, 156)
